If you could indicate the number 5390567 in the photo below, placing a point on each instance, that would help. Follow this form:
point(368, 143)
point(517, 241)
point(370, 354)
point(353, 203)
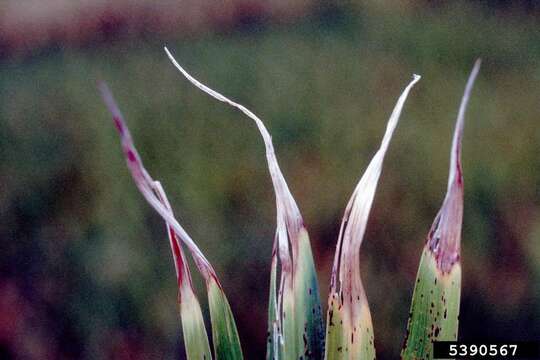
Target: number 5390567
point(482, 350)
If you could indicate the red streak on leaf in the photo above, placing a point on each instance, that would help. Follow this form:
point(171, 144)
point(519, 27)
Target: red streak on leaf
point(131, 156)
point(177, 255)
point(119, 125)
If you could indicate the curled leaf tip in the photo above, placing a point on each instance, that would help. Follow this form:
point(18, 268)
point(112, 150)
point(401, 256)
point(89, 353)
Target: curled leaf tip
point(357, 212)
point(444, 238)
point(289, 220)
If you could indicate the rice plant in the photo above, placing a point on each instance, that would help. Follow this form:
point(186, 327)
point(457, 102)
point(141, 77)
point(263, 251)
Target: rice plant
point(296, 327)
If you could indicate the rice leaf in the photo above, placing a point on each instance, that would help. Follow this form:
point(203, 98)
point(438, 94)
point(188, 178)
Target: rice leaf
point(435, 303)
point(296, 321)
point(146, 184)
point(225, 335)
point(349, 331)
point(272, 333)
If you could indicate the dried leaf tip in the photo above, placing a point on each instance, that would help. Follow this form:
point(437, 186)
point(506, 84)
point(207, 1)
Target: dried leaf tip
point(455, 158)
point(289, 220)
point(357, 211)
point(444, 238)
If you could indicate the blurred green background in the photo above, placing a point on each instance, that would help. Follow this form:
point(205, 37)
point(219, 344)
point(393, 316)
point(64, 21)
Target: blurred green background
point(85, 269)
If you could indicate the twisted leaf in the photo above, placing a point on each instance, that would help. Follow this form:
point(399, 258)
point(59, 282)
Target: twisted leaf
point(225, 335)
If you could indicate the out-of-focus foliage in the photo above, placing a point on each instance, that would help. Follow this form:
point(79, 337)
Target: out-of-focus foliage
point(85, 265)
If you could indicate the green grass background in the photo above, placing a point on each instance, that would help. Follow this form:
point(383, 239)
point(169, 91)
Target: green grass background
point(85, 263)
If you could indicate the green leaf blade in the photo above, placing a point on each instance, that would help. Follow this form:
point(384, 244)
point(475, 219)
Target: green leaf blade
point(434, 309)
point(193, 328)
point(272, 332)
point(344, 341)
point(303, 333)
point(224, 332)
point(308, 311)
